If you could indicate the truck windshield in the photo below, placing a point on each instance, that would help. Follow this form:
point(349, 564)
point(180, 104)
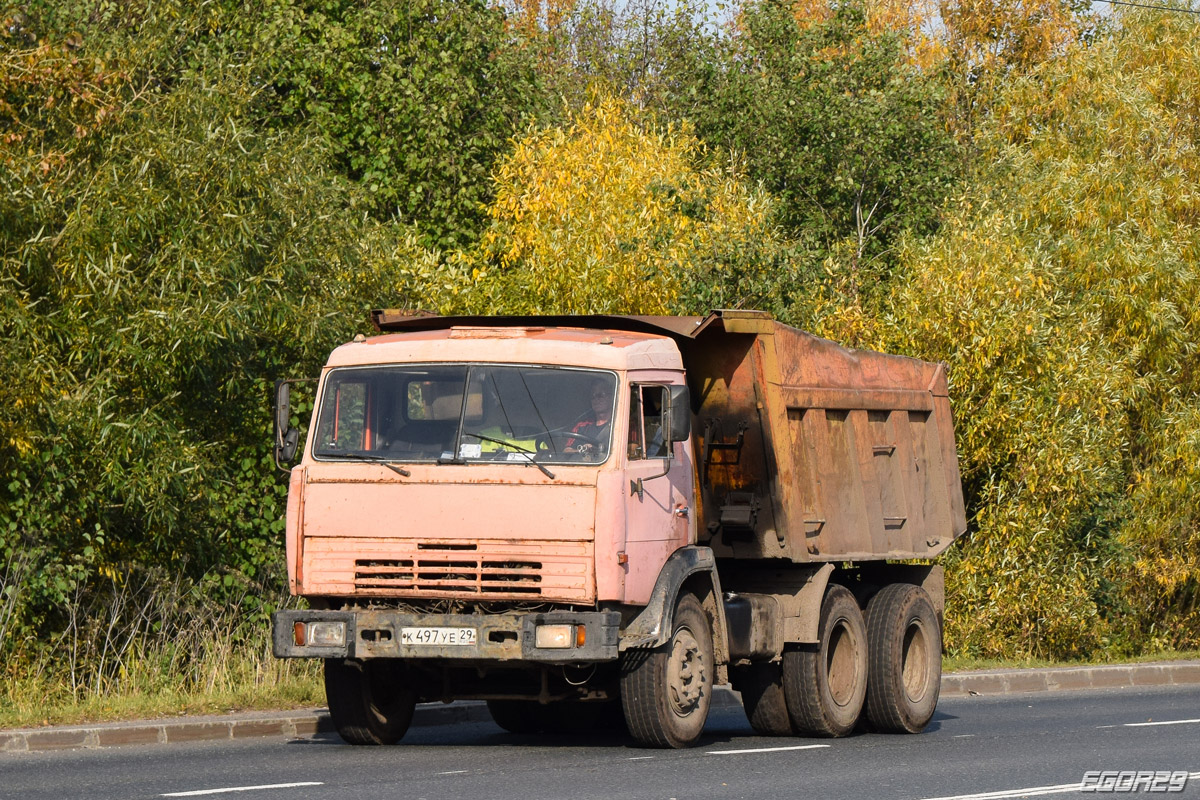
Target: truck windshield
point(466, 413)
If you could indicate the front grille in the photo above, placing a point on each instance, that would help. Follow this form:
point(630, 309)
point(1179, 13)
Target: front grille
point(482, 569)
point(449, 572)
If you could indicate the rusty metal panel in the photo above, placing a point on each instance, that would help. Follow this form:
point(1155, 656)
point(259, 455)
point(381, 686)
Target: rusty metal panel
point(846, 454)
point(950, 474)
point(395, 320)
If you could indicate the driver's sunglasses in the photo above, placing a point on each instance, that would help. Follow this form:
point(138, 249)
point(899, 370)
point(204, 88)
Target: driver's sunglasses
point(601, 395)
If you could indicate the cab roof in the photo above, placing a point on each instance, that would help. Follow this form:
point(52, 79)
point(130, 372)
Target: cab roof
point(528, 344)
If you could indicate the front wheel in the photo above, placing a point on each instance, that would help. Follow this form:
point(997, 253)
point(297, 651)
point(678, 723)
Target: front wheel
point(666, 692)
point(369, 701)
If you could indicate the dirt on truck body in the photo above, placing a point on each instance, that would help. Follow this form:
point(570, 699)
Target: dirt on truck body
point(591, 520)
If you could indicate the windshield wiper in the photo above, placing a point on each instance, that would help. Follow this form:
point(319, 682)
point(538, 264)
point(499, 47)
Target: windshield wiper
point(384, 460)
point(536, 410)
point(525, 451)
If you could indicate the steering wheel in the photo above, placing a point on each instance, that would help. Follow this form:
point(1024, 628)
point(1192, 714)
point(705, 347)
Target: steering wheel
point(557, 441)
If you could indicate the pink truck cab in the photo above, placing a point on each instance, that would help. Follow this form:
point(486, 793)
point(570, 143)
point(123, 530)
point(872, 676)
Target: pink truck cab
point(594, 520)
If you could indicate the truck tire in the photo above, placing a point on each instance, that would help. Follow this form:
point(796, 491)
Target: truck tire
point(573, 718)
point(825, 684)
point(369, 701)
point(761, 686)
point(666, 691)
point(562, 717)
point(905, 643)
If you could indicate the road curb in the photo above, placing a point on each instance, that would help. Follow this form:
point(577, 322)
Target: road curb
point(1060, 679)
point(299, 724)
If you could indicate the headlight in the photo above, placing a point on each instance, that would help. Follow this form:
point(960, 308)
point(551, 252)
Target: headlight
point(320, 634)
point(559, 636)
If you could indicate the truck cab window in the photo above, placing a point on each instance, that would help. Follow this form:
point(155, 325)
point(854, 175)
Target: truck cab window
point(466, 413)
point(344, 427)
point(647, 421)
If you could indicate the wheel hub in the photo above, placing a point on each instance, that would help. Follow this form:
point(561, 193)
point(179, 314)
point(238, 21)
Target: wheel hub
point(686, 673)
point(915, 667)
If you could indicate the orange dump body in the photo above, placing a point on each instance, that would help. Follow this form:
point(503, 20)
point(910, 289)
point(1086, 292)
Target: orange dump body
point(811, 451)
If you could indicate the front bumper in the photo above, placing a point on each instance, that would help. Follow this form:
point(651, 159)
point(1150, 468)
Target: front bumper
point(499, 637)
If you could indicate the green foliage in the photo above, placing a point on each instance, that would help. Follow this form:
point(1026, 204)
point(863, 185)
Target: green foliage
point(160, 266)
point(644, 52)
point(417, 99)
point(1161, 534)
point(835, 124)
point(149, 643)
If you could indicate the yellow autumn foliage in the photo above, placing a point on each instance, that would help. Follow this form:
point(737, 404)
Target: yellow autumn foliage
point(915, 20)
point(601, 215)
point(1062, 293)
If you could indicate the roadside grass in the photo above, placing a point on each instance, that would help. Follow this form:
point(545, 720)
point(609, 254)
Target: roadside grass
point(257, 682)
point(144, 643)
point(248, 684)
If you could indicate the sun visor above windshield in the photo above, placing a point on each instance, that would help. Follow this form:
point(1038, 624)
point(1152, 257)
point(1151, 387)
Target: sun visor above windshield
point(396, 321)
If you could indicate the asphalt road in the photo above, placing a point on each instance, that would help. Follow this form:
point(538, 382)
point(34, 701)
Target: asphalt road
point(1013, 746)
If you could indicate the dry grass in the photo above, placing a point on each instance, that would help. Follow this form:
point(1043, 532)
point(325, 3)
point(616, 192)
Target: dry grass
point(34, 702)
point(147, 644)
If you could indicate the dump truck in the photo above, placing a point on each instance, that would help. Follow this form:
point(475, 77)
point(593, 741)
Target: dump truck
point(591, 521)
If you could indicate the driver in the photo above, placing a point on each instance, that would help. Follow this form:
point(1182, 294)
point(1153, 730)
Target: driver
point(595, 423)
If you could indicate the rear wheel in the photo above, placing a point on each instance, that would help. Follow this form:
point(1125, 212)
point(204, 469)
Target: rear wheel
point(518, 716)
point(825, 684)
point(906, 659)
point(666, 692)
point(562, 717)
point(369, 701)
point(761, 687)
point(577, 717)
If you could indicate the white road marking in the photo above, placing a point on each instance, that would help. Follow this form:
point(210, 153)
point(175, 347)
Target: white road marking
point(766, 749)
point(454, 772)
point(964, 736)
point(1151, 724)
point(641, 758)
point(201, 792)
point(1030, 791)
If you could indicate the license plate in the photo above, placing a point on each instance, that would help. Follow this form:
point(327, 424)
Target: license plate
point(437, 636)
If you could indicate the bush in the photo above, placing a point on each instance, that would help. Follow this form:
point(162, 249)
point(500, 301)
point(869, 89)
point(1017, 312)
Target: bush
point(1059, 292)
point(163, 260)
point(605, 216)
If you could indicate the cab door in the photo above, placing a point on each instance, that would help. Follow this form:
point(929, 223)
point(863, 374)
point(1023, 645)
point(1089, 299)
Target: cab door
point(658, 488)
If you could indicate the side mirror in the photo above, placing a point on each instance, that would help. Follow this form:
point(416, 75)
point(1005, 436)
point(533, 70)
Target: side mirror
point(681, 414)
point(287, 436)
